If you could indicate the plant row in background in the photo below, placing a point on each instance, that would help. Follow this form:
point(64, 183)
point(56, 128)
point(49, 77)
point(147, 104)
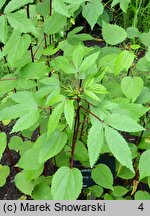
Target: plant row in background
point(83, 102)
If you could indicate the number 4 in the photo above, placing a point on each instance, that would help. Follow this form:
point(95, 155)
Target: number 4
point(141, 207)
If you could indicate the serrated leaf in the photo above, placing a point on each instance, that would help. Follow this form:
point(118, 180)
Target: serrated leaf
point(16, 4)
point(145, 38)
point(132, 87)
point(142, 195)
point(95, 142)
point(125, 173)
point(23, 184)
point(60, 7)
point(62, 63)
point(119, 191)
point(2, 2)
point(32, 174)
point(55, 23)
point(117, 145)
point(21, 23)
point(52, 146)
point(54, 118)
point(133, 32)
point(143, 65)
point(4, 172)
point(4, 29)
point(102, 176)
point(36, 70)
point(81, 153)
point(26, 121)
point(96, 190)
point(15, 53)
point(70, 185)
point(123, 123)
point(15, 143)
point(30, 159)
point(91, 11)
point(69, 112)
point(3, 142)
point(144, 164)
point(42, 191)
point(113, 34)
point(89, 61)
point(77, 55)
point(123, 61)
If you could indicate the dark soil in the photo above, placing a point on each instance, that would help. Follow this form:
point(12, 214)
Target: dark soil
point(9, 190)
point(10, 158)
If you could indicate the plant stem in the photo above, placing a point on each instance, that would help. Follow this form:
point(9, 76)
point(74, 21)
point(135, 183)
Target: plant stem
point(76, 127)
point(92, 114)
point(75, 134)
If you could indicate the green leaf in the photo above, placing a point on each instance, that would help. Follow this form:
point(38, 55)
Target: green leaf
point(3, 142)
point(149, 182)
point(125, 173)
point(15, 53)
point(123, 61)
point(113, 34)
point(42, 192)
point(7, 86)
point(70, 185)
point(34, 70)
point(61, 8)
point(143, 65)
point(16, 4)
point(62, 63)
point(102, 176)
point(32, 174)
point(145, 38)
point(144, 164)
point(4, 29)
point(91, 11)
point(15, 143)
point(2, 2)
point(134, 111)
point(26, 121)
point(77, 56)
point(89, 61)
point(30, 159)
point(23, 184)
point(52, 146)
point(4, 173)
point(62, 159)
point(147, 56)
point(69, 112)
point(133, 32)
point(96, 190)
point(55, 23)
point(117, 145)
point(123, 4)
point(21, 23)
point(50, 50)
point(54, 98)
point(54, 118)
point(119, 191)
point(132, 87)
point(43, 7)
point(95, 142)
point(81, 153)
point(123, 123)
point(142, 195)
